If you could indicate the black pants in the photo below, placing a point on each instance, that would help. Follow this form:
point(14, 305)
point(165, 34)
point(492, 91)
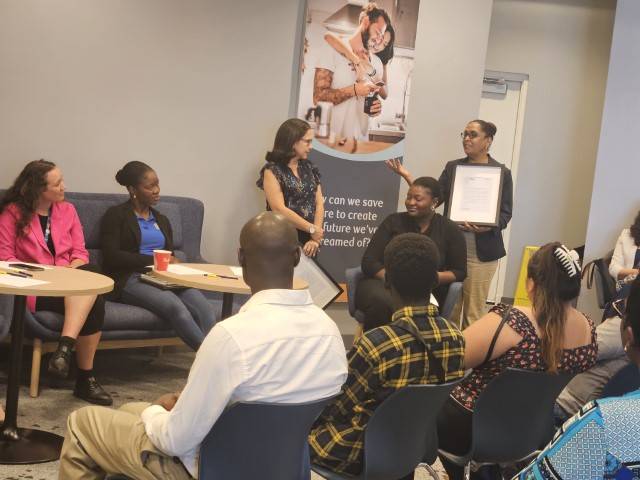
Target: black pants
point(95, 319)
point(374, 300)
point(454, 435)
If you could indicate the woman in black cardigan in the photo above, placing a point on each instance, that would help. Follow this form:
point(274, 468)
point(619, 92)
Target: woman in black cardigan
point(129, 234)
point(372, 296)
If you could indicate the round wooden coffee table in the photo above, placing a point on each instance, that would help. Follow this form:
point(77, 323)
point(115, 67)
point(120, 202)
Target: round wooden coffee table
point(220, 278)
point(26, 445)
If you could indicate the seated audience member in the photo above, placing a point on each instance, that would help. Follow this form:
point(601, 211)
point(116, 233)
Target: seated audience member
point(129, 234)
point(601, 441)
point(372, 296)
point(279, 348)
point(587, 386)
point(625, 262)
point(416, 347)
point(550, 336)
point(37, 225)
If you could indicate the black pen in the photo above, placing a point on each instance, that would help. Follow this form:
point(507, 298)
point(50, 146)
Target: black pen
point(21, 275)
point(220, 276)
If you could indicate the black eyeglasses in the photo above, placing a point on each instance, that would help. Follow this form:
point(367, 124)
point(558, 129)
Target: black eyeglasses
point(471, 134)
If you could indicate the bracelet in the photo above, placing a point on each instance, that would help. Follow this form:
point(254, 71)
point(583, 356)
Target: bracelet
point(355, 94)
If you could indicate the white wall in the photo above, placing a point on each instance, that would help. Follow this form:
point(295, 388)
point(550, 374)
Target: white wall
point(195, 88)
point(615, 200)
point(564, 46)
point(447, 81)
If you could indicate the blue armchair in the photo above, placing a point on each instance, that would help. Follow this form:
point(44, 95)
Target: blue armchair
point(125, 326)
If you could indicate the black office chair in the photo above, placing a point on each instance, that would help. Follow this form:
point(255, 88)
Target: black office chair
point(512, 418)
point(259, 440)
point(400, 434)
point(597, 273)
point(626, 380)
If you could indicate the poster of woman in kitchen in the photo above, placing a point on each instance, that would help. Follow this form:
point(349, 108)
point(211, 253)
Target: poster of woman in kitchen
point(356, 73)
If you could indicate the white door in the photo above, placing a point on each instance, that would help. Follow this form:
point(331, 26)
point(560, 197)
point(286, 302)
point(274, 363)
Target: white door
point(506, 111)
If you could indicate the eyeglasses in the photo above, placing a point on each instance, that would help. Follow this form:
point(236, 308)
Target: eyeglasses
point(471, 134)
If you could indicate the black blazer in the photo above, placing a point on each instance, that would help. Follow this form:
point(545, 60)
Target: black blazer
point(120, 243)
point(489, 245)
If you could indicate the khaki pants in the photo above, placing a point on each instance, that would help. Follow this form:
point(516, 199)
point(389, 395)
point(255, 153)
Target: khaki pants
point(475, 287)
point(101, 441)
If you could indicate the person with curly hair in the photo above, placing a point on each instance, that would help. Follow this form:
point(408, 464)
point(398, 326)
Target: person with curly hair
point(37, 225)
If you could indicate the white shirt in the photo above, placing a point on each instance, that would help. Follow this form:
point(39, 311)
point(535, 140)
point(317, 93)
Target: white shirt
point(624, 253)
point(347, 118)
point(279, 348)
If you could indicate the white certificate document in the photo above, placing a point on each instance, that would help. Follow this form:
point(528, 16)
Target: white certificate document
point(476, 194)
point(322, 287)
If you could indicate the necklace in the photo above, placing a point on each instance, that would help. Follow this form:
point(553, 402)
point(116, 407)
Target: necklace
point(47, 230)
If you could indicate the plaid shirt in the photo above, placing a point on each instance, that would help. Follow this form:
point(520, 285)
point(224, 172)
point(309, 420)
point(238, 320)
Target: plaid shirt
point(383, 360)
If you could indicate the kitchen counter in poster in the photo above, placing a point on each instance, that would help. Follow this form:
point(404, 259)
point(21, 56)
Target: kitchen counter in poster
point(357, 147)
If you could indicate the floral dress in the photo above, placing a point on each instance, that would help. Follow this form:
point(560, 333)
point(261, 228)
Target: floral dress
point(527, 355)
point(299, 192)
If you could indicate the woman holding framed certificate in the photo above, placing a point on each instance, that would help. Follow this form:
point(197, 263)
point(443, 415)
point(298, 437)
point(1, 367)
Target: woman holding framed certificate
point(477, 192)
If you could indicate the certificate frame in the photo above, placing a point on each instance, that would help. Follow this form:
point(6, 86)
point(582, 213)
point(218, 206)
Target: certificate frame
point(482, 215)
point(323, 288)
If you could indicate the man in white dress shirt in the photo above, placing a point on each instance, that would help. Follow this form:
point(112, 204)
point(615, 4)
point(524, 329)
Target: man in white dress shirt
point(279, 348)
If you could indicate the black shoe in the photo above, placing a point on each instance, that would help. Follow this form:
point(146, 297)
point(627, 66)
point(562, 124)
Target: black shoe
point(60, 361)
point(90, 390)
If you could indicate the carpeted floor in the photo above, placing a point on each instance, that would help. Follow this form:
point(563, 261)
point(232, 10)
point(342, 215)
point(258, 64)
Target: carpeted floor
point(129, 375)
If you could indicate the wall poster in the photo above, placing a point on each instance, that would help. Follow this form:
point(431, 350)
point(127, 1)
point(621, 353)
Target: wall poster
point(355, 87)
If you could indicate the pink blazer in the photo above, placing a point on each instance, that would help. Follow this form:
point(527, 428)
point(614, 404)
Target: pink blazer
point(66, 232)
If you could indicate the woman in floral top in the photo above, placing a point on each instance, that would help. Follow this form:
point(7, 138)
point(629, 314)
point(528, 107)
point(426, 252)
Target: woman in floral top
point(291, 183)
point(550, 336)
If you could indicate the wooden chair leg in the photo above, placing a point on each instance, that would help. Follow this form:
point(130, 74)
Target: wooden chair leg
point(35, 368)
point(160, 351)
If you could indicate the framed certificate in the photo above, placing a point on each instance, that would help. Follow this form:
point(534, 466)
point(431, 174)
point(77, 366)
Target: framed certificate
point(476, 195)
point(322, 287)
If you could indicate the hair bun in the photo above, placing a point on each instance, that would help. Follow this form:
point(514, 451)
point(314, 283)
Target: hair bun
point(569, 260)
point(121, 177)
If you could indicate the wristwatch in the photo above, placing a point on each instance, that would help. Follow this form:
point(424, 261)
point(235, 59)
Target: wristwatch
point(312, 229)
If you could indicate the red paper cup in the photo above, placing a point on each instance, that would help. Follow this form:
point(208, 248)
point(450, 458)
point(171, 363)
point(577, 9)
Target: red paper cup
point(161, 259)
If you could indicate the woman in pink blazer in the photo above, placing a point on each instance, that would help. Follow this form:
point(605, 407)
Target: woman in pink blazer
point(37, 225)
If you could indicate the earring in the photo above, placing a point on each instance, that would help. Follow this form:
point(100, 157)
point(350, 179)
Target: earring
point(134, 196)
